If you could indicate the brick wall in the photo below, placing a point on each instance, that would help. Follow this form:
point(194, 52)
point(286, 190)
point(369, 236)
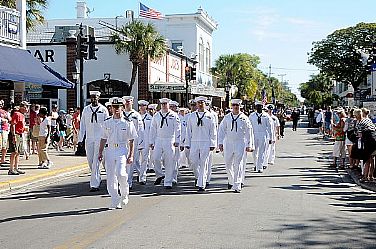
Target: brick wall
point(71, 68)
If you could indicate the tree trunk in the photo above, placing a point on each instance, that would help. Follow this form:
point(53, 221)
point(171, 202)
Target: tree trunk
point(133, 78)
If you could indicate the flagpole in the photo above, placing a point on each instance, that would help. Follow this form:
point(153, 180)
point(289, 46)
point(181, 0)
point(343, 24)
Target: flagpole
point(139, 4)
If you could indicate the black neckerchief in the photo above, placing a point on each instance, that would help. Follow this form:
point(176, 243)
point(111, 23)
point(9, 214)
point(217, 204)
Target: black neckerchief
point(127, 116)
point(143, 120)
point(199, 120)
point(259, 118)
point(234, 122)
point(94, 114)
point(164, 118)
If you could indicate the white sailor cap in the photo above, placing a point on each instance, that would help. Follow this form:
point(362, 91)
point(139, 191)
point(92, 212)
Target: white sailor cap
point(174, 103)
point(236, 101)
point(183, 109)
point(117, 101)
point(143, 102)
point(164, 100)
point(208, 102)
point(128, 98)
point(270, 106)
point(95, 93)
point(107, 104)
point(258, 103)
point(201, 98)
point(152, 106)
point(192, 101)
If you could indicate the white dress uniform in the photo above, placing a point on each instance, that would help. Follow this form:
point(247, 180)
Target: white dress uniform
point(262, 131)
point(91, 125)
point(135, 117)
point(164, 132)
point(183, 160)
point(271, 149)
point(117, 132)
point(236, 134)
point(201, 135)
point(145, 152)
point(216, 121)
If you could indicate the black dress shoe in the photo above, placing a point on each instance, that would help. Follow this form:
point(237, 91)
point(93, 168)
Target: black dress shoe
point(168, 187)
point(229, 186)
point(264, 167)
point(174, 183)
point(159, 180)
point(201, 189)
point(152, 170)
point(207, 184)
point(195, 182)
point(142, 183)
point(94, 189)
point(242, 185)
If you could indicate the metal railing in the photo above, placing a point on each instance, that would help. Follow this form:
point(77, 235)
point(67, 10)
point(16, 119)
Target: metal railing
point(9, 26)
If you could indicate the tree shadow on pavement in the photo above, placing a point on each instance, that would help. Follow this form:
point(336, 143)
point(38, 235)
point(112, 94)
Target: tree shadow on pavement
point(324, 233)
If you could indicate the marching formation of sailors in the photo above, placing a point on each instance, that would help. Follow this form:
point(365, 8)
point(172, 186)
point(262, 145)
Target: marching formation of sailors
point(163, 141)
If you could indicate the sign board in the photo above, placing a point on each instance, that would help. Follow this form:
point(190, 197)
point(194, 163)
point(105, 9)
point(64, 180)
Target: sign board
point(9, 26)
point(208, 91)
point(55, 56)
point(167, 87)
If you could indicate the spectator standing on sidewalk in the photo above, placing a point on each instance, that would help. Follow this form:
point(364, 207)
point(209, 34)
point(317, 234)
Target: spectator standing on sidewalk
point(76, 127)
point(44, 139)
point(349, 129)
point(33, 129)
point(16, 145)
point(319, 121)
point(61, 128)
point(328, 118)
point(5, 120)
point(339, 150)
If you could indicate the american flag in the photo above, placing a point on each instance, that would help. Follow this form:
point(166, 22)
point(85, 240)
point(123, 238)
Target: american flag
point(149, 13)
point(264, 98)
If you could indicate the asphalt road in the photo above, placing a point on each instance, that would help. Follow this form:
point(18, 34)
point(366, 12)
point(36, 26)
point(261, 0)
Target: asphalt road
point(297, 203)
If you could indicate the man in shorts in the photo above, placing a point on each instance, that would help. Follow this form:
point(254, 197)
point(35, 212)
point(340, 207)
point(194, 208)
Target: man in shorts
point(17, 128)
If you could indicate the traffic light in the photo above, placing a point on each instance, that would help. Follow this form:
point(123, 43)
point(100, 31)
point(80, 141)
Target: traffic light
point(92, 48)
point(82, 47)
point(193, 73)
point(187, 73)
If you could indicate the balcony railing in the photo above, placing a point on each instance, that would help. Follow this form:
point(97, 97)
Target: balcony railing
point(9, 26)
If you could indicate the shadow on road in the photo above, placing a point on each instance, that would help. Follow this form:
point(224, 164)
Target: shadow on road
point(55, 214)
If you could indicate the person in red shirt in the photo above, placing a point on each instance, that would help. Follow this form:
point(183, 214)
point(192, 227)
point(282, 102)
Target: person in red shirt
point(33, 131)
point(17, 128)
point(5, 119)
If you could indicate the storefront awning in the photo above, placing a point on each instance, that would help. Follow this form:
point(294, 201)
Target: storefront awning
point(19, 65)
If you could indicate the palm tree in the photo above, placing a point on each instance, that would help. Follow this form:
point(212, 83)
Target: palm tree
point(145, 42)
point(34, 11)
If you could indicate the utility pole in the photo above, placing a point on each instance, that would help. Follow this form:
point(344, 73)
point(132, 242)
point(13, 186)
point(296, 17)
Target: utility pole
point(187, 79)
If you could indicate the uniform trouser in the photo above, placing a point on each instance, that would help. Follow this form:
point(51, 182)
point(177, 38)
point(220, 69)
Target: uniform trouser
point(135, 165)
point(183, 158)
point(234, 155)
point(271, 156)
point(144, 163)
point(116, 159)
point(176, 164)
point(92, 149)
point(151, 162)
point(259, 155)
point(210, 164)
point(268, 148)
point(245, 159)
point(164, 153)
point(199, 156)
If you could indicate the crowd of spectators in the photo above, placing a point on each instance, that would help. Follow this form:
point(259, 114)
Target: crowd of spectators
point(354, 136)
point(28, 130)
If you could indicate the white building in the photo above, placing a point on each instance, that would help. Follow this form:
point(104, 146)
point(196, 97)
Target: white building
point(187, 34)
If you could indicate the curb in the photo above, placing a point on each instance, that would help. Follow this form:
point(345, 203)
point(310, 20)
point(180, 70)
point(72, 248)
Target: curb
point(28, 180)
point(356, 179)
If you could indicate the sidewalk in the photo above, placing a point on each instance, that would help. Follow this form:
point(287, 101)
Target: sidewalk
point(65, 163)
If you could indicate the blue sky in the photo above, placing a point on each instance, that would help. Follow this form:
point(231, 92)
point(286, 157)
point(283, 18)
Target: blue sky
point(280, 32)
